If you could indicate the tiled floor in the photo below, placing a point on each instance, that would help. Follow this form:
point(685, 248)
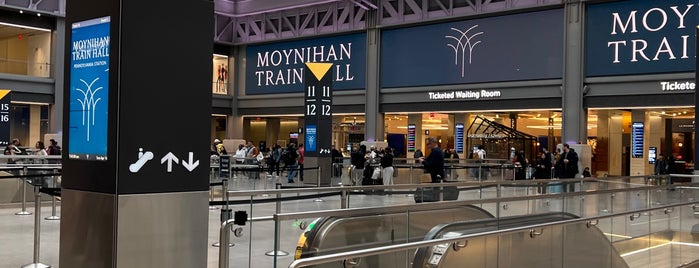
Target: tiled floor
point(16, 232)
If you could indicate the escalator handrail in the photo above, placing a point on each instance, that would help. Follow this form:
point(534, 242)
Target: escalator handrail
point(415, 245)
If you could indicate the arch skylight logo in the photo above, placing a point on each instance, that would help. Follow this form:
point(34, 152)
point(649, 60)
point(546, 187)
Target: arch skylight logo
point(89, 104)
point(464, 40)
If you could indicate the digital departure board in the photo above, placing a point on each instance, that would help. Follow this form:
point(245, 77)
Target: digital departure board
point(459, 138)
point(637, 140)
point(411, 138)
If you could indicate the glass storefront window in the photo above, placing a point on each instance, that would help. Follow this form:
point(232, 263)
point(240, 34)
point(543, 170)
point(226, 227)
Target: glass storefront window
point(25, 50)
point(667, 131)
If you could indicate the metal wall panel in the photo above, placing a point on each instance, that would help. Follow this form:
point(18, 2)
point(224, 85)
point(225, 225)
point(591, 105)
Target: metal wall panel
point(176, 225)
point(87, 229)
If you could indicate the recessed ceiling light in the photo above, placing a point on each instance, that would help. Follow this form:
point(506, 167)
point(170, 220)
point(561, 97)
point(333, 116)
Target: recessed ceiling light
point(21, 12)
point(38, 14)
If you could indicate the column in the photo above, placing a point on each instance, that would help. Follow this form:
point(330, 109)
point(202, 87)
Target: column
point(272, 131)
point(656, 130)
point(602, 156)
point(58, 39)
point(616, 132)
point(136, 177)
point(374, 127)
point(235, 127)
point(34, 125)
point(574, 116)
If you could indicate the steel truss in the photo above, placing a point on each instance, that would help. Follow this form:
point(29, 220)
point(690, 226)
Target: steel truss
point(333, 16)
point(52, 7)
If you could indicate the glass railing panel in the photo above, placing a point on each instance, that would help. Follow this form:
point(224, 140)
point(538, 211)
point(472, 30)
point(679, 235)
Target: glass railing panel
point(636, 248)
point(686, 239)
point(24, 67)
point(594, 205)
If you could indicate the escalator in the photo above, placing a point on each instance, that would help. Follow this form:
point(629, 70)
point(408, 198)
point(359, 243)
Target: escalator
point(579, 245)
point(335, 234)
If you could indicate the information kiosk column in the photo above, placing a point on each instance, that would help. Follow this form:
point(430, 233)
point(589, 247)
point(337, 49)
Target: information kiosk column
point(137, 115)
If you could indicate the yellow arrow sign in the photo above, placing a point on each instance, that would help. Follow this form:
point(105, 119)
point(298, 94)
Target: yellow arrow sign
point(319, 69)
point(4, 92)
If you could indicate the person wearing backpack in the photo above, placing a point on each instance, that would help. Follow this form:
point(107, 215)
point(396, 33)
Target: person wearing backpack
point(289, 157)
point(251, 159)
point(53, 148)
point(275, 159)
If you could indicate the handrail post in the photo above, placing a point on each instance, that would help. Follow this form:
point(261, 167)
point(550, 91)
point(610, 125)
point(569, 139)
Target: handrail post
point(343, 199)
point(24, 198)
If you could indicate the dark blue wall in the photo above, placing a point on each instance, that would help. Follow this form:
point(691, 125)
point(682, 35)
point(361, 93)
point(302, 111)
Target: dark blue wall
point(605, 34)
point(348, 72)
point(515, 47)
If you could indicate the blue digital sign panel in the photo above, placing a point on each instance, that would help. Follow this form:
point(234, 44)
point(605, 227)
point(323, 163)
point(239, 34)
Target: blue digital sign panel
point(89, 89)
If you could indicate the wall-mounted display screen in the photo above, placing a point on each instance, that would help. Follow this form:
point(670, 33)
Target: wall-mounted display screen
point(652, 154)
point(293, 135)
point(89, 89)
point(411, 138)
point(459, 138)
point(637, 140)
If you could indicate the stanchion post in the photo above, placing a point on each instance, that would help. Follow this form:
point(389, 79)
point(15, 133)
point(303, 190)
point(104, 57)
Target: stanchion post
point(318, 185)
point(277, 232)
point(24, 199)
point(411, 174)
point(37, 230)
point(224, 209)
point(53, 200)
point(224, 238)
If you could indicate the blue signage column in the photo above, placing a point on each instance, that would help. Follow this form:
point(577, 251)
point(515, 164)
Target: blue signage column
point(136, 168)
point(318, 117)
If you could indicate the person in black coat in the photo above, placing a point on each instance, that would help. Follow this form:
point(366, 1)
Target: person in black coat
point(569, 163)
point(543, 171)
point(434, 163)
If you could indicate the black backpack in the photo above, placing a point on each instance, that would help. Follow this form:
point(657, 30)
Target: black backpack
point(288, 157)
point(54, 150)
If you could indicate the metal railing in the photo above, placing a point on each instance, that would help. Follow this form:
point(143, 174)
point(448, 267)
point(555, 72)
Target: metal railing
point(347, 212)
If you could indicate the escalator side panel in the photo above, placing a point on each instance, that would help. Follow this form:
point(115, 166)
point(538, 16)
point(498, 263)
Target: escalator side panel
point(346, 234)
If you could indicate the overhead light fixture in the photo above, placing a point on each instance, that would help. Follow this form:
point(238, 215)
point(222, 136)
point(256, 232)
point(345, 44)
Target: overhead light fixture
point(24, 26)
point(38, 14)
point(21, 12)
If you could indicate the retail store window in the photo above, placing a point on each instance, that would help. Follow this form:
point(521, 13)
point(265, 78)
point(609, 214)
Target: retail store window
point(221, 76)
